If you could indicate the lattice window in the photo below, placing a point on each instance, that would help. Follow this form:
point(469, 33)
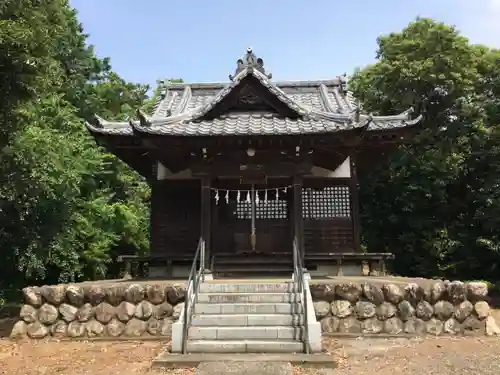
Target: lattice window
point(272, 209)
point(326, 203)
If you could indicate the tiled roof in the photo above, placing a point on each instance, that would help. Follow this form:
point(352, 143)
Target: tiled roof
point(249, 124)
point(321, 107)
point(323, 96)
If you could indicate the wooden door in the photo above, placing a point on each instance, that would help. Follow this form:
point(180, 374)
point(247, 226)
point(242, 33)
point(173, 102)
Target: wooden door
point(232, 221)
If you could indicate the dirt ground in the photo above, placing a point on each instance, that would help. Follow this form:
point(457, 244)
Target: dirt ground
point(438, 356)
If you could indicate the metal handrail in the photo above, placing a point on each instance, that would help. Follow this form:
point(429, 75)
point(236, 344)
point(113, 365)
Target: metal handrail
point(193, 283)
point(298, 270)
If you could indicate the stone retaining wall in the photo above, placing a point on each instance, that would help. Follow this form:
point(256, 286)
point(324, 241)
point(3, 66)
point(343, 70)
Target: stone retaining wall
point(92, 310)
point(436, 308)
point(139, 310)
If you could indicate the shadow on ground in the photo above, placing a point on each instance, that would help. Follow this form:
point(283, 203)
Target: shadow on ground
point(494, 301)
point(9, 314)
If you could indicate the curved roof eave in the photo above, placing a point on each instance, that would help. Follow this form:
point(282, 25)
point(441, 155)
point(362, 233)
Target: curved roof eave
point(184, 126)
point(393, 123)
point(100, 126)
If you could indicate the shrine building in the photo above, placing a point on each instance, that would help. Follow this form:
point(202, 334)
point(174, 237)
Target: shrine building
point(251, 167)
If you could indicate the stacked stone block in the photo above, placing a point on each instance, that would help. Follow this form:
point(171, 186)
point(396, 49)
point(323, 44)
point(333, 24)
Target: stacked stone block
point(436, 309)
point(78, 311)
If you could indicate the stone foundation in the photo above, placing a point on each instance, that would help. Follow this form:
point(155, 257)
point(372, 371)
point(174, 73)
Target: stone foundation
point(148, 309)
point(134, 310)
point(435, 308)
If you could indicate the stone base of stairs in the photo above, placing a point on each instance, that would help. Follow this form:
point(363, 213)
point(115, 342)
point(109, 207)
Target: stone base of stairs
point(169, 360)
point(257, 317)
point(244, 346)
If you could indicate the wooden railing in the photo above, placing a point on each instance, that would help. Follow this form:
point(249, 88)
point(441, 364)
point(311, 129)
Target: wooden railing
point(299, 279)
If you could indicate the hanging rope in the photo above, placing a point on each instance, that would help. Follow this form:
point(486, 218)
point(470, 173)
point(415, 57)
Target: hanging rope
point(283, 188)
point(247, 194)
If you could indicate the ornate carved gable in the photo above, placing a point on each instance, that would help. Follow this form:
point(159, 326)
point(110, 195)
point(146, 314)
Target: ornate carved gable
point(248, 99)
point(251, 92)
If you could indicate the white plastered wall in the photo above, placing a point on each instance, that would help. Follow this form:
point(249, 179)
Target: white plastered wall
point(342, 171)
point(163, 173)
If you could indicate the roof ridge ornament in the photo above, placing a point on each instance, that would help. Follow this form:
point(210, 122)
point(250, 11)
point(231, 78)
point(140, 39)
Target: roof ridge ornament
point(143, 118)
point(250, 60)
point(96, 121)
point(343, 84)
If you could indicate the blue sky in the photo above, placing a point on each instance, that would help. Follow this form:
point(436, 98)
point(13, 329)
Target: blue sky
point(200, 41)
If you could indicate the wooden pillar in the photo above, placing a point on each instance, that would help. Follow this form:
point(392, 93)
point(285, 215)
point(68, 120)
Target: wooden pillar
point(298, 225)
point(153, 217)
point(383, 270)
point(354, 197)
point(206, 204)
point(340, 269)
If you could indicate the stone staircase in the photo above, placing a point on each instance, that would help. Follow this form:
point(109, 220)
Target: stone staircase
point(247, 317)
point(252, 265)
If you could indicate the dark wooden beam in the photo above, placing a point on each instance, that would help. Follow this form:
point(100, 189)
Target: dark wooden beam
point(119, 141)
point(262, 142)
point(235, 170)
point(322, 182)
point(205, 217)
point(142, 162)
point(354, 195)
point(298, 224)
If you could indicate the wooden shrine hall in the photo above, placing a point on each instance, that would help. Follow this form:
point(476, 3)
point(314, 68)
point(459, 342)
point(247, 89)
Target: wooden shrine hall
point(252, 167)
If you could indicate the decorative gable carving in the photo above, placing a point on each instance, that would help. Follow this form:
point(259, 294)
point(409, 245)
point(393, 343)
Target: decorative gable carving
point(248, 99)
point(252, 91)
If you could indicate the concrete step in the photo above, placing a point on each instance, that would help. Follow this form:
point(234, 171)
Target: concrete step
point(254, 260)
point(244, 346)
point(224, 255)
point(259, 272)
point(167, 360)
point(243, 266)
point(221, 320)
point(249, 297)
point(246, 333)
point(248, 308)
point(249, 288)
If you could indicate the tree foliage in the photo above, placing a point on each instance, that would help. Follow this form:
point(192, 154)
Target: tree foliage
point(65, 205)
point(434, 205)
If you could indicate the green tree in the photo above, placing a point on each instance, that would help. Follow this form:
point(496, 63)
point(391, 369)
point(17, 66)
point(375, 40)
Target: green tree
point(66, 206)
point(425, 204)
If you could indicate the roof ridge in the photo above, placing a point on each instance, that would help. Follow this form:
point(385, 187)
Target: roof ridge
point(288, 83)
point(263, 79)
point(159, 100)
